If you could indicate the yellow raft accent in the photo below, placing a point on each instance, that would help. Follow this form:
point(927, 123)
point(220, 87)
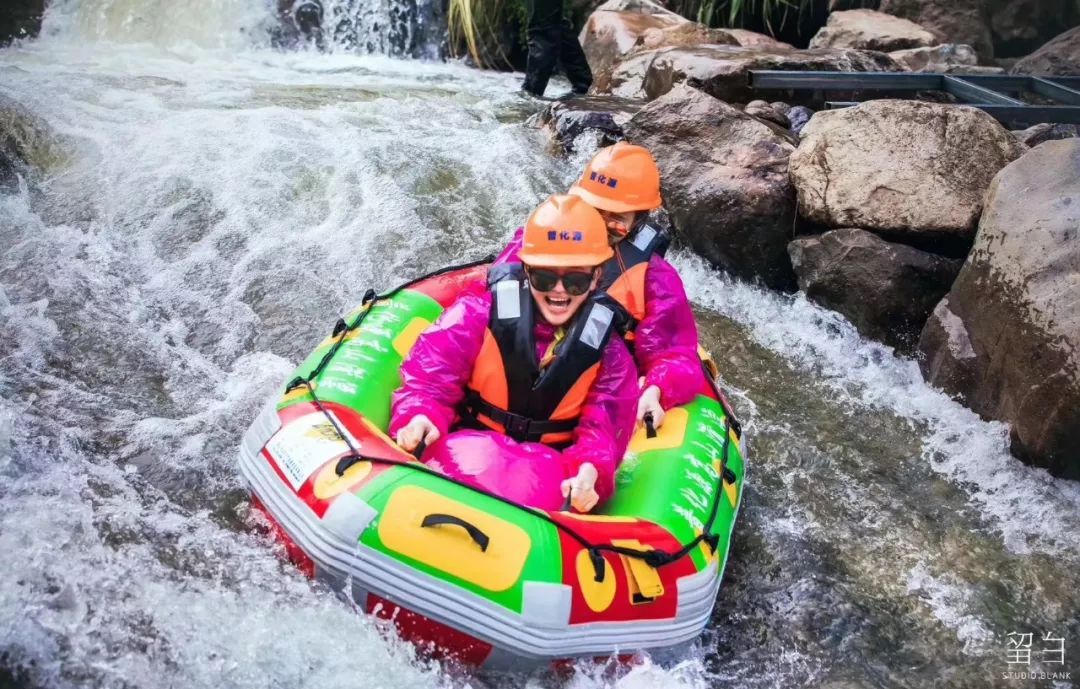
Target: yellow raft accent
point(598, 594)
point(645, 583)
point(449, 548)
point(297, 393)
point(328, 484)
point(407, 338)
point(668, 436)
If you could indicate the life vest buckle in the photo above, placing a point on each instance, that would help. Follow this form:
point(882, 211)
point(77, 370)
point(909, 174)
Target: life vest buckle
point(517, 426)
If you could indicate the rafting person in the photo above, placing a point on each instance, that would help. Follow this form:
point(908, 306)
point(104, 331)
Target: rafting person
point(622, 182)
point(531, 372)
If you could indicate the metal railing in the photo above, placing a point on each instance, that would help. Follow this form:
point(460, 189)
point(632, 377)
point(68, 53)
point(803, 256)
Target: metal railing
point(993, 93)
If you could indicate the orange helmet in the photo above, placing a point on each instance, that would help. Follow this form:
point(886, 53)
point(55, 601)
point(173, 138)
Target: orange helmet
point(620, 178)
point(565, 231)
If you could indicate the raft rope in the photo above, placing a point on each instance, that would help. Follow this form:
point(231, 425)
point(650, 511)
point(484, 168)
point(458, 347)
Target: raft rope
point(653, 558)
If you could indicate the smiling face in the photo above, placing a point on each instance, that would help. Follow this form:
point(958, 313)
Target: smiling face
point(556, 302)
point(618, 224)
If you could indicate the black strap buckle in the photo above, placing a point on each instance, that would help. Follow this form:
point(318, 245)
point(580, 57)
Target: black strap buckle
point(517, 426)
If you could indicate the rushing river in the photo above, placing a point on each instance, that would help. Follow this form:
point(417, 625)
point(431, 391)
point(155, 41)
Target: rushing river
point(204, 208)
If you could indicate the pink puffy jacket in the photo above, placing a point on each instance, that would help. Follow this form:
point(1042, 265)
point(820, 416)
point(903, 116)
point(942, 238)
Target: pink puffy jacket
point(433, 380)
point(666, 340)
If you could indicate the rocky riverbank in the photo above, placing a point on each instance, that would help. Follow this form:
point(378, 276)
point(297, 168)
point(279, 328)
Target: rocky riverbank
point(929, 225)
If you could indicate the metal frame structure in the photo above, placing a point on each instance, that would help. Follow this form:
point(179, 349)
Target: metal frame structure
point(992, 93)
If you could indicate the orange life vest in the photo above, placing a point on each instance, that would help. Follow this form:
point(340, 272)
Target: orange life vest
point(509, 391)
point(623, 276)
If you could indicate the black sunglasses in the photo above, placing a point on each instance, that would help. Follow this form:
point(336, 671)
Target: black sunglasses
point(576, 282)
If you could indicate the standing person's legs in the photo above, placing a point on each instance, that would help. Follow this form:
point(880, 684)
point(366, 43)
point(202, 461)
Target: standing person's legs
point(572, 59)
point(545, 28)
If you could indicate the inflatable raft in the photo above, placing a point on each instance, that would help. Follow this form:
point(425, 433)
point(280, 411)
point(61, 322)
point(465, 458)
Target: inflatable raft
point(479, 579)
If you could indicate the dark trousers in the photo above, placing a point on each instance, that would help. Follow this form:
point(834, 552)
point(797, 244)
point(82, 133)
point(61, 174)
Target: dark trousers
point(552, 43)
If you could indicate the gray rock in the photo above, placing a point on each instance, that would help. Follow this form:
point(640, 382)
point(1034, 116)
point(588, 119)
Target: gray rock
point(799, 116)
point(762, 110)
point(906, 167)
point(1033, 136)
point(725, 182)
point(781, 107)
point(28, 145)
point(886, 290)
point(1007, 338)
point(567, 119)
point(939, 58)
point(1059, 57)
point(870, 30)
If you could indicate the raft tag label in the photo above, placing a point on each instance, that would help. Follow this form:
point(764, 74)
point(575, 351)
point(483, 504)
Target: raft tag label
point(306, 444)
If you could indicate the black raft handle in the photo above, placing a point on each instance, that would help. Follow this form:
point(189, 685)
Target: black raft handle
point(650, 429)
point(479, 537)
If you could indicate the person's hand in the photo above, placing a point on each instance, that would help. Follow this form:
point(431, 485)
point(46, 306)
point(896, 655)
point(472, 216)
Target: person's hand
point(419, 428)
point(582, 488)
point(649, 403)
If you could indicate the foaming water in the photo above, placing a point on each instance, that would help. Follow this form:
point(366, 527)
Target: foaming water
point(215, 24)
point(197, 220)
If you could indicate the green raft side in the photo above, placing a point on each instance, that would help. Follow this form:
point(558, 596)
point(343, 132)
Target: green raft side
point(365, 371)
point(674, 487)
point(544, 561)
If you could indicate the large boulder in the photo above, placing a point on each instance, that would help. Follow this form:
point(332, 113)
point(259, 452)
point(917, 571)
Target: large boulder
point(619, 28)
point(1007, 337)
point(1059, 57)
point(914, 169)
point(870, 30)
point(721, 70)
point(724, 176)
point(954, 21)
point(886, 290)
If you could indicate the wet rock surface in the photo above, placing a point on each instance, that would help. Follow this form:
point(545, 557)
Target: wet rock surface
point(28, 145)
point(870, 30)
point(886, 290)
point(724, 176)
point(20, 19)
point(905, 167)
point(721, 71)
point(1007, 337)
point(567, 119)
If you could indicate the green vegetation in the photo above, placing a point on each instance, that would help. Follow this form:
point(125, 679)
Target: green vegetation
point(772, 14)
point(483, 29)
